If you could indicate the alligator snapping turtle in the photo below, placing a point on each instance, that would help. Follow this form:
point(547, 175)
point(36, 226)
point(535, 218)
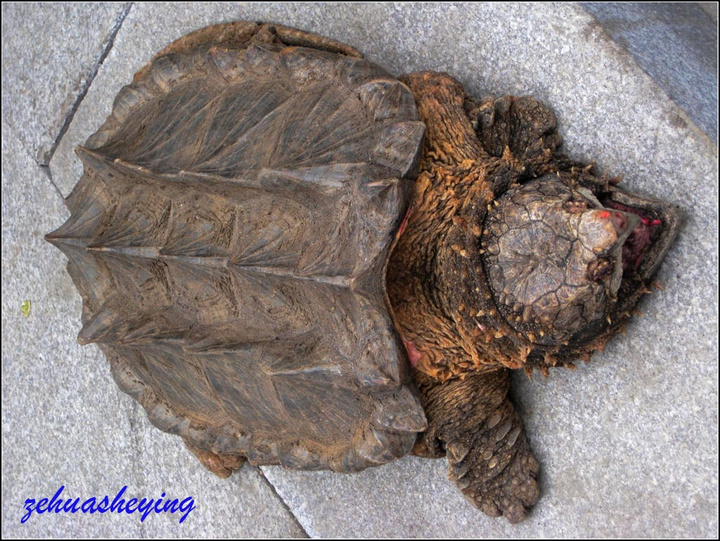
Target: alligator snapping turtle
point(290, 256)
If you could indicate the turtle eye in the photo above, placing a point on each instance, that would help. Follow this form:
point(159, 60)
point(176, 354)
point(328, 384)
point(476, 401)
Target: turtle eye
point(553, 258)
point(575, 207)
point(599, 269)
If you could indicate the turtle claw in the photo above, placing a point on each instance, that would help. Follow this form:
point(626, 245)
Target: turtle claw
point(494, 467)
point(482, 435)
point(511, 494)
point(518, 126)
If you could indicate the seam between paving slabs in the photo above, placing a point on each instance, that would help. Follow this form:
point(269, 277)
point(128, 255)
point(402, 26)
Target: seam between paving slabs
point(47, 157)
point(45, 169)
point(44, 165)
point(133, 418)
point(637, 59)
point(619, 51)
point(280, 498)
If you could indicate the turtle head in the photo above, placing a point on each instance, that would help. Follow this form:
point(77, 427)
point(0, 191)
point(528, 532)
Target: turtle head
point(566, 264)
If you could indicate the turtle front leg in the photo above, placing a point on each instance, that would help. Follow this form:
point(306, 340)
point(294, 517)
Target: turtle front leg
point(475, 423)
point(517, 127)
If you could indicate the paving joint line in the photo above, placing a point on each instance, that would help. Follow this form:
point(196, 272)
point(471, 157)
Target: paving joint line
point(45, 159)
point(44, 168)
point(282, 501)
point(133, 418)
point(48, 173)
point(622, 50)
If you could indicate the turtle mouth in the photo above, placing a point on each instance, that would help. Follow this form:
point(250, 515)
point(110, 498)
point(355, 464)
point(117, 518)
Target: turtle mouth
point(647, 244)
point(645, 247)
point(640, 238)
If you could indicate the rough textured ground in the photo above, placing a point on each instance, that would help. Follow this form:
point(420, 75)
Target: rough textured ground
point(628, 443)
point(657, 35)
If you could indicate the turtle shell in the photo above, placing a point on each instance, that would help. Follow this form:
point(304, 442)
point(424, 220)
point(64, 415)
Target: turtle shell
point(229, 237)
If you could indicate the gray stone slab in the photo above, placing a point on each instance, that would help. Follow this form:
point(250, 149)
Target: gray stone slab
point(676, 44)
point(711, 9)
point(65, 422)
point(243, 506)
point(628, 443)
point(49, 54)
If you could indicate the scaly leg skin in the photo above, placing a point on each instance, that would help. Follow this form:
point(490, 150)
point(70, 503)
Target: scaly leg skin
point(220, 465)
point(489, 455)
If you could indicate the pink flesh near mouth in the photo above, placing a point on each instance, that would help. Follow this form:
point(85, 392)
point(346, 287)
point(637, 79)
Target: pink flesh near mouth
point(639, 240)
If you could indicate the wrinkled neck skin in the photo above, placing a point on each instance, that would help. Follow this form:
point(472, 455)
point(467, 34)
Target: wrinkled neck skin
point(436, 283)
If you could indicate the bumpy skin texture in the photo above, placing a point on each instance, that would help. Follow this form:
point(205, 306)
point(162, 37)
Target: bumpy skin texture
point(458, 274)
point(473, 422)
